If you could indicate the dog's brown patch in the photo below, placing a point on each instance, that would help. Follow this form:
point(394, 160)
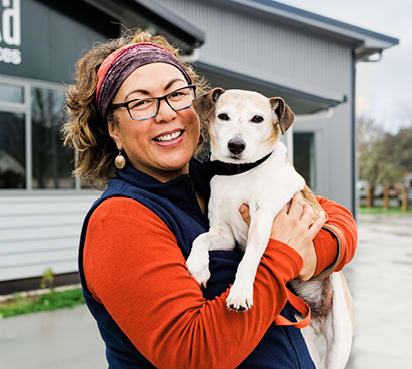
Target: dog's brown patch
point(311, 200)
point(284, 113)
point(204, 105)
point(275, 135)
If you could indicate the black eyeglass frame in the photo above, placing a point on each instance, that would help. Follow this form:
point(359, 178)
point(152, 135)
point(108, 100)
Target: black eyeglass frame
point(159, 99)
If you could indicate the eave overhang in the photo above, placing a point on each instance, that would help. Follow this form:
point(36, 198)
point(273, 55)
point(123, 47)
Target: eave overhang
point(151, 15)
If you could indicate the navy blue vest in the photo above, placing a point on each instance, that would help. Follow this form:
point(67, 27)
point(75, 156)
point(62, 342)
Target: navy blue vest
point(176, 204)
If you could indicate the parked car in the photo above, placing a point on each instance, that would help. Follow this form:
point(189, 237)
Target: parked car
point(362, 187)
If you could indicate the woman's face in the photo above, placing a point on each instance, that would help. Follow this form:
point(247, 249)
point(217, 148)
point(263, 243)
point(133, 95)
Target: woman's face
point(150, 144)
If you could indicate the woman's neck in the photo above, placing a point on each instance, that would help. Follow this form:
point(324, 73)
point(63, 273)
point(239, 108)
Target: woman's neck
point(163, 175)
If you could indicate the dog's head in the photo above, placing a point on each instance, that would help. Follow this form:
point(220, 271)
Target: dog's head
point(243, 125)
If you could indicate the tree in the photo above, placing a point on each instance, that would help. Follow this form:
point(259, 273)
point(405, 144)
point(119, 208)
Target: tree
point(402, 147)
point(368, 136)
point(381, 157)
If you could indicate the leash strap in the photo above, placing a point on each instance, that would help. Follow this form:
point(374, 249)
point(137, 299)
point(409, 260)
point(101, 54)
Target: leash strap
point(301, 307)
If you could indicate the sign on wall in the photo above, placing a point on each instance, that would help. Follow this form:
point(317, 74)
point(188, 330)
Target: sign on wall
point(10, 32)
point(42, 39)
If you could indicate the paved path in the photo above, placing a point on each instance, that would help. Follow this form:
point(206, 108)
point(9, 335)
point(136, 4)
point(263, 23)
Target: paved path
point(380, 279)
point(63, 339)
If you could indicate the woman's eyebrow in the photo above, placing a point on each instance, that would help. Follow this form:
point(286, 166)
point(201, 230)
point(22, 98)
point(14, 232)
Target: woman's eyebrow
point(145, 92)
point(173, 81)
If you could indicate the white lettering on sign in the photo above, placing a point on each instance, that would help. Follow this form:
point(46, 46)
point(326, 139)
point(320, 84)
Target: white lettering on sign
point(10, 32)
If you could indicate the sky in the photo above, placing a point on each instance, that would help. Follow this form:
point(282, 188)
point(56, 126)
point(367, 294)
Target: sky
point(384, 89)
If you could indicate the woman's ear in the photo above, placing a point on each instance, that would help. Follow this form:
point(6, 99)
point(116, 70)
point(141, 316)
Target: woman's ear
point(114, 133)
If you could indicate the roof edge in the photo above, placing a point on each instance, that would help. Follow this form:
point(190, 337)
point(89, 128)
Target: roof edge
point(327, 101)
point(329, 25)
point(151, 14)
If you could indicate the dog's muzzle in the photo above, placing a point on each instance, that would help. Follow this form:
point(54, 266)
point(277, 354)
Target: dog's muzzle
point(236, 145)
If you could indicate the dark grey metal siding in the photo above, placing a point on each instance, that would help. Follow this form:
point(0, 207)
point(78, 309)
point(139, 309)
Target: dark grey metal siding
point(53, 36)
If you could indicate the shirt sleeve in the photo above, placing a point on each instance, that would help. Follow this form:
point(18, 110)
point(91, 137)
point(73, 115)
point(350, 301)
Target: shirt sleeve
point(134, 267)
point(336, 242)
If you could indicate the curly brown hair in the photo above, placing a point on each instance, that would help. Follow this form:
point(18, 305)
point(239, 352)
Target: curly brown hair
point(85, 130)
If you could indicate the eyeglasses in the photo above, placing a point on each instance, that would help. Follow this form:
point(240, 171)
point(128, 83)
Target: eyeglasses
point(141, 109)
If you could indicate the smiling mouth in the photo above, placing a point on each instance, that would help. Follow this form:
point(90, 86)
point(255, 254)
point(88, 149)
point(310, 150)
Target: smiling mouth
point(168, 137)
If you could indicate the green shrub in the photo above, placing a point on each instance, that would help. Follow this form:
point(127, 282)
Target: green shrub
point(45, 302)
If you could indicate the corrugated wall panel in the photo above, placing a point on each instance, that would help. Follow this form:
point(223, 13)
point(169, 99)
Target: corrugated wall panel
point(263, 49)
point(40, 231)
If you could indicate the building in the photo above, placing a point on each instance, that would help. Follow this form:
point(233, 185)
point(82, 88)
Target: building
point(261, 45)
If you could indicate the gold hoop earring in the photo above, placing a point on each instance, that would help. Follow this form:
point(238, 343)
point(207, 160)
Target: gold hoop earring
point(120, 161)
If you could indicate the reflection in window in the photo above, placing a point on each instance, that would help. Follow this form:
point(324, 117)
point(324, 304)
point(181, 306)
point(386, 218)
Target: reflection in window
point(52, 162)
point(11, 93)
point(304, 156)
point(12, 150)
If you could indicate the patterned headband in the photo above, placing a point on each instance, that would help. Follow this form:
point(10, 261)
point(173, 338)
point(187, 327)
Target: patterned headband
point(122, 62)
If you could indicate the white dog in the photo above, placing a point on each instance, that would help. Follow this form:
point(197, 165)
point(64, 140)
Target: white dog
point(244, 129)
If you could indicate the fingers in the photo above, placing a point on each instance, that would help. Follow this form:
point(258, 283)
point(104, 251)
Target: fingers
point(295, 209)
point(318, 224)
point(307, 215)
point(244, 212)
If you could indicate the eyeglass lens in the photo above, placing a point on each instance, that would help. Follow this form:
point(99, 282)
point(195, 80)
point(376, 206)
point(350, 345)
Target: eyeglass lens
point(147, 108)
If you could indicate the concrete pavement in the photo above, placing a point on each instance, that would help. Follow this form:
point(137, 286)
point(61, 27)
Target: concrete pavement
point(380, 279)
point(63, 339)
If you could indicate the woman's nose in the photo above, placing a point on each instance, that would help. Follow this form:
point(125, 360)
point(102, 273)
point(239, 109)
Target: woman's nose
point(165, 113)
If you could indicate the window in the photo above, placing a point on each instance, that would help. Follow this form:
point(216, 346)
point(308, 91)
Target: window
point(32, 155)
point(52, 162)
point(12, 150)
point(11, 93)
point(304, 158)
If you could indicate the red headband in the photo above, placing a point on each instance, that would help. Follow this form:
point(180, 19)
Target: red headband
point(120, 63)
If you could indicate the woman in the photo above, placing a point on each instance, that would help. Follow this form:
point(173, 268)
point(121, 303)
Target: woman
point(134, 126)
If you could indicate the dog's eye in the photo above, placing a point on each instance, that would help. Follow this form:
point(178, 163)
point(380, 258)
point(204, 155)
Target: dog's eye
point(257, 119)
point(223, 116)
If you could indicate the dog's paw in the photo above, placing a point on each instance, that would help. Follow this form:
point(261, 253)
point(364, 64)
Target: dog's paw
point(198, 266)
point(240, 297)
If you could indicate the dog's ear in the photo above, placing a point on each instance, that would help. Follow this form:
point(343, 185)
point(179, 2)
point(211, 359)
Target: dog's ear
point(205, 104)
point(284, 113)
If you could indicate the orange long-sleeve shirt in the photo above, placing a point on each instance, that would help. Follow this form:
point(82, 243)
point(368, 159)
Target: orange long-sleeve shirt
point(133, 266)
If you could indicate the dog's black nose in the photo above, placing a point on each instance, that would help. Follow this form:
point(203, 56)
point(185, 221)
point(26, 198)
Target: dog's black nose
point(236, 145)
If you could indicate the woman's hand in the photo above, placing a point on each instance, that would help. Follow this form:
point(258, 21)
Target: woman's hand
point(294, 226)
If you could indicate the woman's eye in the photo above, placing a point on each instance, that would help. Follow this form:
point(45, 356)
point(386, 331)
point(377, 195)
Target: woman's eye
point(176, 95)
point(140, 104)
point(223, 116)
point(257, 119)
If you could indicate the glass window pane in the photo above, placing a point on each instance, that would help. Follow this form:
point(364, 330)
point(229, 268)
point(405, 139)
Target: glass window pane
point(11, 93)
point(12, 150)
point(52, 162)
point(304, 156)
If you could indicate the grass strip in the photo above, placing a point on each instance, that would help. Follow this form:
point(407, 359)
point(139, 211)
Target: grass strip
point(53, 300)
point(396, 210)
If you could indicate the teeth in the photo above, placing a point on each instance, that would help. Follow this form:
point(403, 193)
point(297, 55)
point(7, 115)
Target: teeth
point(172, 136)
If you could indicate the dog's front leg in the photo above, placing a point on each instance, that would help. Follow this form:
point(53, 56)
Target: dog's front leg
point(241, 293)
point(198, 261)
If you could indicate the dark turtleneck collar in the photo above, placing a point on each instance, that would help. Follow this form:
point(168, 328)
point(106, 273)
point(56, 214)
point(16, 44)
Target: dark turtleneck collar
point(216, 167)
point(177, 190)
